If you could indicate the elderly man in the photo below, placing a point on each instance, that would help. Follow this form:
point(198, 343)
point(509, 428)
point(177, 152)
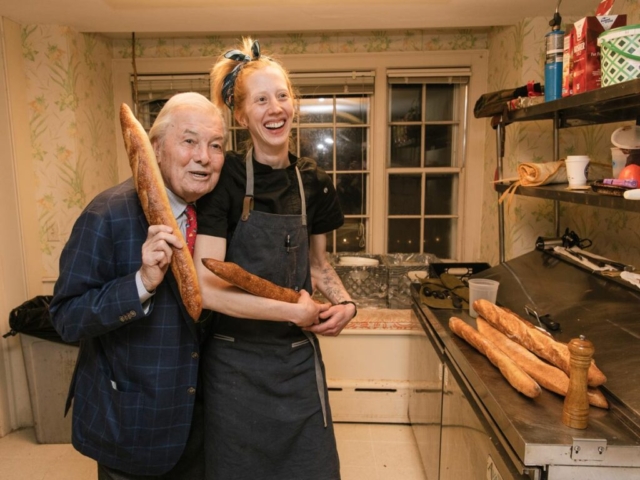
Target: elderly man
point(136, 391)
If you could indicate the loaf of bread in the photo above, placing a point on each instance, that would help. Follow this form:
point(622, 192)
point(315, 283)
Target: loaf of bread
point(238, 276)
point(155, 204)
point(518, 379)
point(547, 376)
point(534, 340)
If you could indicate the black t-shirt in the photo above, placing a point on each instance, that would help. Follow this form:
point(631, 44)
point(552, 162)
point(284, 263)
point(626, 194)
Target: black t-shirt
point(275, 191)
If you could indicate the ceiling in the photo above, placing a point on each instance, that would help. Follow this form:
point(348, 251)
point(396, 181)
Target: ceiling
point(230, 16)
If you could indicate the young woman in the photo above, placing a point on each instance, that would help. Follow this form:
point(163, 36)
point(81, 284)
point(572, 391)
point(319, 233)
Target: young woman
point(268, 414)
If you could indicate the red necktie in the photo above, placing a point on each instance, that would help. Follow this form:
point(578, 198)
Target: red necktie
point(192, 226)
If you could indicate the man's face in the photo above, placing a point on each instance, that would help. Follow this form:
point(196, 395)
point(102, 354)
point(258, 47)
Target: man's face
point(191, 153)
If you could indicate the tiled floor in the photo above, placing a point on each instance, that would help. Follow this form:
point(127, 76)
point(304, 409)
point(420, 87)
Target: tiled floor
point(367, 452)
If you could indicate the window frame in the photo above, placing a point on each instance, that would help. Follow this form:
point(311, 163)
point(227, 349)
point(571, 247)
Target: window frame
point(474, 182)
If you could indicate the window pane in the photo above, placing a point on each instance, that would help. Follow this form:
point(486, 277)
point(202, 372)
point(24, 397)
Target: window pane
point(316, 110)
point(352, 193)
point(406, 103)
point(317, 143)
point(405, 146)
point(240, 139)
point(404, 236)
point(404, 194)
point(330, 241)
point(439, 100)
point(351, 236)
point(351, 148)
point(438, 145)
point(353, 110)
point(439, 236)
point(440, 194)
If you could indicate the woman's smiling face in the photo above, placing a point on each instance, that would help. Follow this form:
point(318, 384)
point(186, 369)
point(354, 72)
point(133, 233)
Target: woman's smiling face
point(267, 111)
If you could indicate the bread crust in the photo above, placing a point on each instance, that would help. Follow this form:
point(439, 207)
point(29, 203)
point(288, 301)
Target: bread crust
point(238, 276)
point(518, 379)
point(155, 204)
point(547, 376)
point(534, 340)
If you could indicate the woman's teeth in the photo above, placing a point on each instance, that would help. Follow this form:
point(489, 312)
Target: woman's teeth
point(275, 125)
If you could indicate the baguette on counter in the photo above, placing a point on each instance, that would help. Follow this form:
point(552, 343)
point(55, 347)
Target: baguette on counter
point(518, 379)
point(527, 335)
point(155, 204)
point(547, 376)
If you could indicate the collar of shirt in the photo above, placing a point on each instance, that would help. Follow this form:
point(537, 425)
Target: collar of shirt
point(177, 207)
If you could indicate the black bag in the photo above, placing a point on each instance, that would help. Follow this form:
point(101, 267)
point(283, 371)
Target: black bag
point(495, 103)
point(32, 318)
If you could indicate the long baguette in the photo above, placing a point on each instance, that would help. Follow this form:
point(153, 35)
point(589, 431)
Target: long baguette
point(533, 339)
point(510, 370)
point(238, 276)
point(547, 376)
point(155, 204)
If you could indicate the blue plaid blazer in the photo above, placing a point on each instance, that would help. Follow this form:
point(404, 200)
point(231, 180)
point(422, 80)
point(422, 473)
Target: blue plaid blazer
point(134, 386)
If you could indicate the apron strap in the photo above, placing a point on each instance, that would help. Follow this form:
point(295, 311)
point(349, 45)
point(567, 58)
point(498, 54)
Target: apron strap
point(303, 201)
point(319, 378)
point(247, 204)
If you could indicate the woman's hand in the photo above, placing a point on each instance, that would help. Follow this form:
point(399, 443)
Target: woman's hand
point(309, 311)
point(334, 319)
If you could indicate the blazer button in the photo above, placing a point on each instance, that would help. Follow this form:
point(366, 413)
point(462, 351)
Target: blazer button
point(132, 314)
point(194, 355)
point(122, 319)
point(191, 391)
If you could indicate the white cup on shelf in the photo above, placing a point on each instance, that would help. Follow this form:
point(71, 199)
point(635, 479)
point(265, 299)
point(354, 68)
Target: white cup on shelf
point(618, 160)
point(577, 170)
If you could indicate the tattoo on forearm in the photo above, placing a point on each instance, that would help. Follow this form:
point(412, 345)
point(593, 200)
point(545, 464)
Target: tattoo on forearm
point(331, 286)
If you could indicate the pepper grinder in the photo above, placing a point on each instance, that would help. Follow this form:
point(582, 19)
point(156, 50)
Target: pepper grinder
point(575, 412)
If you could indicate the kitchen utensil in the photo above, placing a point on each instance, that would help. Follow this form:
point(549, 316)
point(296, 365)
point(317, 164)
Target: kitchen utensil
point(575, 411)
point(605, 262)
point(542, 319)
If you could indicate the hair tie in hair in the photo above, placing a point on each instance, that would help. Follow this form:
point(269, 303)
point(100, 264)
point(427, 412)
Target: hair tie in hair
point(229, 82)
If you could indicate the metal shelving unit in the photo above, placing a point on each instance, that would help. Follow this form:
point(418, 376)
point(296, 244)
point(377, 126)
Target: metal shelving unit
point(615, 103)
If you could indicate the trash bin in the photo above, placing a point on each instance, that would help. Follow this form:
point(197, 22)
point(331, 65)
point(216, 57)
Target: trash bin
point(49, 363)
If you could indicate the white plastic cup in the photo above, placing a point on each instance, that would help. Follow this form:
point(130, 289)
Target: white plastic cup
point(577, 170)
point(482, 288)
point(618, 160)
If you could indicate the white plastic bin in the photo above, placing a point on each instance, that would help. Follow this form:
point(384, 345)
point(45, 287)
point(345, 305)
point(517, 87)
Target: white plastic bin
point(49, 368)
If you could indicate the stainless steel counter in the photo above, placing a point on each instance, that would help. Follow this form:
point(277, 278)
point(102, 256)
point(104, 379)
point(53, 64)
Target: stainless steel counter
point(606, 313)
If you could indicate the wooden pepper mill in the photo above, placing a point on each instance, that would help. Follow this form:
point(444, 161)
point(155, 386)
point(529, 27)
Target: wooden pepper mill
point(575, 412)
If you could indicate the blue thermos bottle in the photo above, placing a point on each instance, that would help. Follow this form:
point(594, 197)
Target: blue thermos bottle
point(553, 65)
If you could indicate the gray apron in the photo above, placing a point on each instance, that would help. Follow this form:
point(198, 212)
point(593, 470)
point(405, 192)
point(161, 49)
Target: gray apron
point(268, 415)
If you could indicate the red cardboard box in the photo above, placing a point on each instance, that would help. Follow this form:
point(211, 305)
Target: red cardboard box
point(586, 52)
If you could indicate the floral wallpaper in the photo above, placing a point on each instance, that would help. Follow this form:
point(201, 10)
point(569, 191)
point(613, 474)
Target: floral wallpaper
point(516, 56)
point(303, 43)
point(70, 111)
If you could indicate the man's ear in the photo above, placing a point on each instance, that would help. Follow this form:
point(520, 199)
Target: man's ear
point(156, 149)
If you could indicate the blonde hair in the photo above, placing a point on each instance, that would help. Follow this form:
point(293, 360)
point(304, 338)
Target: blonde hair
point(224, 66)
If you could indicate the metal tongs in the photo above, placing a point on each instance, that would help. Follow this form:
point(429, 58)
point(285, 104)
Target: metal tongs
point(599, 262)
point(542, 319)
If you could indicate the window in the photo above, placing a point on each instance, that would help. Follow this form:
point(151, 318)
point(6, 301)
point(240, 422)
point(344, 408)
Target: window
point(333, 127)
point(426, 128)
point(155, 90)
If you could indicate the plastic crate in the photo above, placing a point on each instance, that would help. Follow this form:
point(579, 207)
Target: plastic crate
point(399, 265)
point(462, 270)
point(366, 284)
